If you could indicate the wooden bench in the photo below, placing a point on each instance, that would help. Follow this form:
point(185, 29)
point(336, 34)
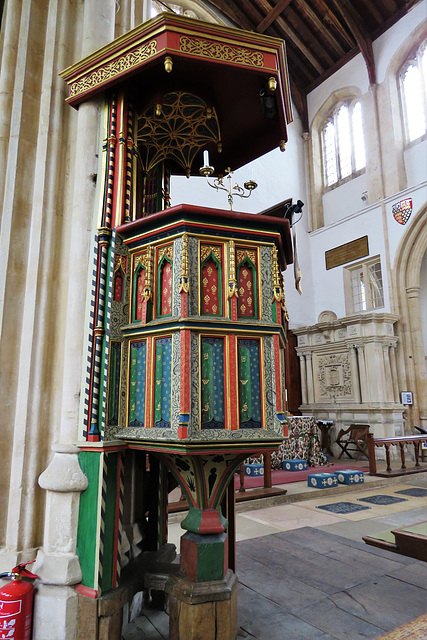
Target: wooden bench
point(355, 442)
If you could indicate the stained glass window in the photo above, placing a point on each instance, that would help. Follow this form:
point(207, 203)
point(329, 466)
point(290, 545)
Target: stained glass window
point(343, 143)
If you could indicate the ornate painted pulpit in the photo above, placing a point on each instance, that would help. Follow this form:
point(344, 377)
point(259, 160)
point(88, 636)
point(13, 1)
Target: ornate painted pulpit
point(185, 352)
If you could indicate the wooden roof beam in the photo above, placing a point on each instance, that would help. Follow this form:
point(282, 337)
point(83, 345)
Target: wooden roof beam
point(362, 38)
point(272, 15)
point(332, 20)
point(321, 26)
point(233, 13)
point(300, 100)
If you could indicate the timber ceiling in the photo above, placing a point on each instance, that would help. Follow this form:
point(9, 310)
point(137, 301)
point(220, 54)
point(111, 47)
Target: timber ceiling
point(321, 35)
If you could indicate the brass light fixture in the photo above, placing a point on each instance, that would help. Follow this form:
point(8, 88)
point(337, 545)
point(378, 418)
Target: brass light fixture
point(219, 185)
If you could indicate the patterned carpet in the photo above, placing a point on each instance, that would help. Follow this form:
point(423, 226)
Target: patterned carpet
point(414, 630)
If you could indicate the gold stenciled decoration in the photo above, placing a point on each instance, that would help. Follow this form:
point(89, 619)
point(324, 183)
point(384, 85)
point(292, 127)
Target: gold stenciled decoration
point(184, 283)
point(119, 263)
point(283, 303)
point(232, 282)
point(220, 51)
point(165, 251)
point(148, 289)
point(206, 250)
point(114, 68)
point(176, 130)
point(276, 274)
point(242, 254)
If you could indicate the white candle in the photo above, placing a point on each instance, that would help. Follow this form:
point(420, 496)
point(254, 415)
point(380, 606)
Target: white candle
point(206, 158)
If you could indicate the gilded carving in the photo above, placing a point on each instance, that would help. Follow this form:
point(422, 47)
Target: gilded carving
point(219, 51)
point(114, 68)
point(184, 283)
point(242, 254)
point(206, 250)
point(120, 263)
point(165, 251)
point(232, 282)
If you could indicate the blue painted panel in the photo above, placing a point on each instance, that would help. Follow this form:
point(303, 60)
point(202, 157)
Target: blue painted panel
point(137, 384)
point(163, 383)
point(251, 349)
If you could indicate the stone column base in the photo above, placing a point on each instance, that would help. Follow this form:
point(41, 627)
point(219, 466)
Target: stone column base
point(205, 610)
point(55, 613)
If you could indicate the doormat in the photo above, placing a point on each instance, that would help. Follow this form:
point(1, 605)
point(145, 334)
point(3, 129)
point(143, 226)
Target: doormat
point(342, 507)
point(382, 500)
point(280, 476)
point(415, 492)
point(414, 630)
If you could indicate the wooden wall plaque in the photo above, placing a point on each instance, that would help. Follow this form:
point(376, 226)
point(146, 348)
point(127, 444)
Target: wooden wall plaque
point(347, 252)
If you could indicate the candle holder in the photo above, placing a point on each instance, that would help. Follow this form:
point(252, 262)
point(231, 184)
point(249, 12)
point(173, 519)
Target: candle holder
point(219, 184)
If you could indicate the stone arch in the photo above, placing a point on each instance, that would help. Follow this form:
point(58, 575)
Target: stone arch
point(406, 282)
point(316, 173)
point(392, 124)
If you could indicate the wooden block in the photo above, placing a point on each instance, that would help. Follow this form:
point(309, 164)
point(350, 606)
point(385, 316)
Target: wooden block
point(110, 627)
point(87, 618)
point(226, 618)
point(197, 622)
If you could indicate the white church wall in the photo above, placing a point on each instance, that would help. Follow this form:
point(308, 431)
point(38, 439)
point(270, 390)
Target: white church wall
point(344, 200)
point(354, 70)
point(415, 163)
point(328, 284)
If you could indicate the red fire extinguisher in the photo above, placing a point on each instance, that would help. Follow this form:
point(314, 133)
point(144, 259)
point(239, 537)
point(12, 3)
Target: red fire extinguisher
point(16, 604)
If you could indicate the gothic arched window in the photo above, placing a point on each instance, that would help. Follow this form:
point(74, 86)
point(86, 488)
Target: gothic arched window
point(343, 146)
point(413, 86)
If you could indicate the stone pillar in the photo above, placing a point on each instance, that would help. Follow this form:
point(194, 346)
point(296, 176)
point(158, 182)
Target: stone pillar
point(388, 373)
point(417, 359)
point(394, 372)
point(57, 564)
point(355, 373)
point(310, 385)
point(303, 378)
point(362, 372)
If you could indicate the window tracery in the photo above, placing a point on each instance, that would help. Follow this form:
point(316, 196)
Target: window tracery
point(343, 147)
point(413, 89)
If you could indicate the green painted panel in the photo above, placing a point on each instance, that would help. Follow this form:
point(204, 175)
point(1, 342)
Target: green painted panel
point(88, 511)
point(109, 557)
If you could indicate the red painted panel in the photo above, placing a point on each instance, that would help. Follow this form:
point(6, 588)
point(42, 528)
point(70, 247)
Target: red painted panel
point(210, 288)
point(118, 287)
point(231, 372)
point(246, 293)
point(166, 291)
point(140, 300)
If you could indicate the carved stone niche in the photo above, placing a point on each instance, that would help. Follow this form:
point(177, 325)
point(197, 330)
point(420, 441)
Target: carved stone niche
point(333, 376)
point(349, 373)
